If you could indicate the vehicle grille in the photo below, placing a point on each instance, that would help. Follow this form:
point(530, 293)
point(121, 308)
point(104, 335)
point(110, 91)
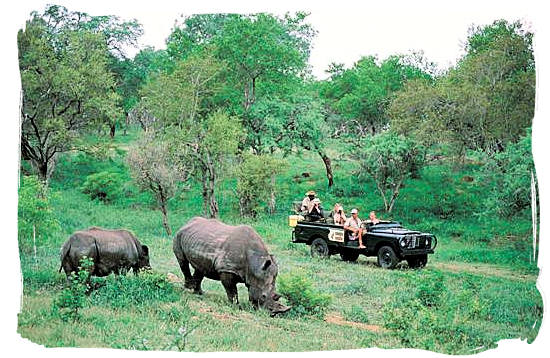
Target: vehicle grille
point(419, 242)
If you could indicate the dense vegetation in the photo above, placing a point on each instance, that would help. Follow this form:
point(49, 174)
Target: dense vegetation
point(227, 122)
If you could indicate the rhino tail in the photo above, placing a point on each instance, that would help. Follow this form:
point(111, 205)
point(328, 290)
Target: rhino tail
point(64, 252)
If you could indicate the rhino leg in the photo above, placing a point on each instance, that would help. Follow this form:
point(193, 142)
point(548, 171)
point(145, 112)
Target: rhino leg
point(184, 266)
point(229, 282)
point(197, 280)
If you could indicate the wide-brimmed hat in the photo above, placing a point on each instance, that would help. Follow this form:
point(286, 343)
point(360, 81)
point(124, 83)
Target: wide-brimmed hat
point(354, 211)
point(311, 192)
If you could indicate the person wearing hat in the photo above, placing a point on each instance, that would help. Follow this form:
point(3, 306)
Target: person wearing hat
point(307, 203)
point(315, 212)
point(338, 214)
point(353, 225)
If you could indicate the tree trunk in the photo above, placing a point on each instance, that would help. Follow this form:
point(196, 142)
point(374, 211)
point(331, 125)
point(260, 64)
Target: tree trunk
point(162, 203)
point(271, 205)
point(127, 124)
point(204, 194)
point(328, 166)
point(165, 219)
point(214, 210)
point(112, 130)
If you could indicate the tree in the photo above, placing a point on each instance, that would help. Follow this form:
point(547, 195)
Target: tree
point(509, 173)
point(361, 95)
point(66, 62)
point(484, 103)
point(389, 159)
point(183, 102)
point(35, 215)
point(66, 88)
point(255, 185)
point(156, 169)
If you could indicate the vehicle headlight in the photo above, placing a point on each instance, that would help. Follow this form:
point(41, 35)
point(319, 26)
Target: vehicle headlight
point(404, 241)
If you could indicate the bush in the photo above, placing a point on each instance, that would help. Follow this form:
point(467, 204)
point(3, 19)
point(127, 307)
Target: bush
point(71, 300)
point(509, 174)
point(131, 290)
point(298, 290)
point(104, 186)
point(35, 215)
point(255, 186)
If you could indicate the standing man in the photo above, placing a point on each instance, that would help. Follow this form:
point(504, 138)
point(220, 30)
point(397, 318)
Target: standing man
point(353, 224)
point(307, 203)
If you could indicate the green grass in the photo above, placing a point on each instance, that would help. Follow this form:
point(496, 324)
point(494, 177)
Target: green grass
point(479, 286)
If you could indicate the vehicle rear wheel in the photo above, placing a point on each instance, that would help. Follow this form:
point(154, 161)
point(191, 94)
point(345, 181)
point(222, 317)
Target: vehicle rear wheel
point(418, 261)
point(349, 255)
point(387, 258)
point(319, 248)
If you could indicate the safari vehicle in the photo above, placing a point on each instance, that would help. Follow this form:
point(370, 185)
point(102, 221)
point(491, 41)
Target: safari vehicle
point(387, 240)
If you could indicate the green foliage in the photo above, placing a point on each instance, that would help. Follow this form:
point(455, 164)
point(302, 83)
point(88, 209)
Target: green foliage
point(185, 326)
point(510, 173)
point(362, 94)
point(300, 293)
point(67, 86)
point(104, 186)
point(72, 299)
point(434, 317)
point(388, 159)
point(255, 185)
point(357, 314)
point(430, 289)
point(484, 103)
point(35, 214)
point(134, 291)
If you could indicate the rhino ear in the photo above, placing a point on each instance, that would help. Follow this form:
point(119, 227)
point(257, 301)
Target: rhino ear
point(145, 249)
point(266, 265)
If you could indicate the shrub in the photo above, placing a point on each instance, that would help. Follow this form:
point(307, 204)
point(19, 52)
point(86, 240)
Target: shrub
point(104, 186)
point(431, 288)
point(131, 290)
point(356, 314)
point(509, 174)
point(35, 215)
point(298, 290)
point(71, 300)
point(255, 186)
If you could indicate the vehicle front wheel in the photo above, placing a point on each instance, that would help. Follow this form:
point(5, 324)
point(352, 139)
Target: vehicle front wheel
point(349, 255)
point(387, 258)
point(319, 248)
point(418, 261)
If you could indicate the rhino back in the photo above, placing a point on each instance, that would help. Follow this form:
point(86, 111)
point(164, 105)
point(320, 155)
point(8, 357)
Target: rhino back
point(213, 247)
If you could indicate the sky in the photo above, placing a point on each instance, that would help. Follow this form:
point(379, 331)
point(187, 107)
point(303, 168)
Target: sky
point(346, 31)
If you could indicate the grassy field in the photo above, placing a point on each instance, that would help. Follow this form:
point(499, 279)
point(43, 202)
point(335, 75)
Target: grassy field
point(478, 288)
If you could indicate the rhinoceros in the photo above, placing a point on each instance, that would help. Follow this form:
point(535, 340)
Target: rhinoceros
point(230, 254)
point(111, 251)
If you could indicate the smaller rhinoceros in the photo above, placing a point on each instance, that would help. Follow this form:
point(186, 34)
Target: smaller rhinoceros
point(111, 251)
point(230, 254)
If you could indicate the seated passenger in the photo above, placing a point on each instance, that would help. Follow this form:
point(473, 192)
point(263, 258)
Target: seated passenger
point(338, 214)
point(353, 225)
point(315, 213)
point(307, 203)
point(373, 219)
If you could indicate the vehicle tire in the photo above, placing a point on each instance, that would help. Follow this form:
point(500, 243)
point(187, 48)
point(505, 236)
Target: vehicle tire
point(349, 255)
point(319, 248)
point(387, 258)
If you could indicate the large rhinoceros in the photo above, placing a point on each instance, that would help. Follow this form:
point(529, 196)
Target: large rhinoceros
point(111, 251)
point(230, 254)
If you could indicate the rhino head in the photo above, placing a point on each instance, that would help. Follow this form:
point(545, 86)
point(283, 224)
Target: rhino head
point(260, 280)
point(143, 260)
